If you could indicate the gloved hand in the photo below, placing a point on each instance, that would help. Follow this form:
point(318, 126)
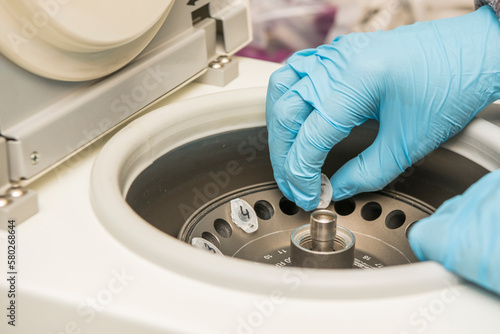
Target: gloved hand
point(423, 83)
point(464, 234)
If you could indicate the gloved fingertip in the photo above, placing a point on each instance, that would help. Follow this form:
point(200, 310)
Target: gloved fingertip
point(287, 195)
point(415, 238)
point(285, 189)
point(415, 244)
point(308, 205)
point(341, 190)
point(340, 194)
point(304, 201)
point(350, 179)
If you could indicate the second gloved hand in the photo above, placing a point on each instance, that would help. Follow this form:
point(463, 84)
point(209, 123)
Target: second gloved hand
point(464, 234)
point(423, 83)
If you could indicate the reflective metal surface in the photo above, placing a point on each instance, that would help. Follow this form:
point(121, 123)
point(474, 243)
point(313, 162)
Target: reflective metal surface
point(205, 174)
point(341, 256)
point(323, 228)
point(378, 221)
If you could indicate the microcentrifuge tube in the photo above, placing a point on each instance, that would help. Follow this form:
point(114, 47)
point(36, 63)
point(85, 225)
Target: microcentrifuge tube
point(244, 216)
point(205, 245)
point(326, 192)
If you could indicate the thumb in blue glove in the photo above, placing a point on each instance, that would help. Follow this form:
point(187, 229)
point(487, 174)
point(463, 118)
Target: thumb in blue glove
point(423, 83)
point(464, 234)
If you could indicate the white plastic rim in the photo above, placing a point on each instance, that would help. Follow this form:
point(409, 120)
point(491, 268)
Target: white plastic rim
point(136, 146)
point(76, 40)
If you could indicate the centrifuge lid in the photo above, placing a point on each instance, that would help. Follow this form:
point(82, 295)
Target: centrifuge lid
point(79, 39)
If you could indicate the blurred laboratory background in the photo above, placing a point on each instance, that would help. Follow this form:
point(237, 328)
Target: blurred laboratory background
point(281, 27)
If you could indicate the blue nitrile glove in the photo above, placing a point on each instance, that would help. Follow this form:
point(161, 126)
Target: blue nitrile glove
point(464, 234)
point(423, 83)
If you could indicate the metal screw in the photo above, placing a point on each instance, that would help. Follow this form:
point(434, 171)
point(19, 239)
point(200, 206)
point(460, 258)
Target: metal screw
point(4, 202)
point(215, 65)
point(16, 192)
point(224, 59)
point(35, 157)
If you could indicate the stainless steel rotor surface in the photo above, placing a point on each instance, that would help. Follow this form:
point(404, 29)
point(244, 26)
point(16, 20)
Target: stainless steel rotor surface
point(378, 220)
point(187, 193)
point(157, 172)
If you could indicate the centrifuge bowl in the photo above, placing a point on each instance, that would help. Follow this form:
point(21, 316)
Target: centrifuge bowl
point(143, 179)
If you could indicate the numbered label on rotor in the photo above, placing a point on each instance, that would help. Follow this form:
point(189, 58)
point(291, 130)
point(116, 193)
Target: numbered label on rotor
point(206, 245)
point(244, 216)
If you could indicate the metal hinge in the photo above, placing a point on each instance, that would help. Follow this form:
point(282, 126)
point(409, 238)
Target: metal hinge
point(16, 203)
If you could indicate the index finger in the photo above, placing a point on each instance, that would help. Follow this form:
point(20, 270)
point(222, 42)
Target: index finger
point(285, 113)
point(307, 155)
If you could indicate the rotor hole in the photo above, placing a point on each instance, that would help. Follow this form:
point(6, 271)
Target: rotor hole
point(371, 211)
point(212, 238)
point(345, 207)
point(395, 219)
point(223, 228)
point(288, 207)
point(264, 210)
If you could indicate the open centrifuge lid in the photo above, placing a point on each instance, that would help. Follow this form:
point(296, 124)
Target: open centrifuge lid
point(79, 39)
point(143, 141)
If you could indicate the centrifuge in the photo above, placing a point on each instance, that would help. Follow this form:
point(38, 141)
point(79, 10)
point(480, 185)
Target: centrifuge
point(142, 198)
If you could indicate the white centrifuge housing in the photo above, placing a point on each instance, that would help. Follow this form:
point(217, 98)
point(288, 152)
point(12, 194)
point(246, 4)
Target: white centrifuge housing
point(109, 217)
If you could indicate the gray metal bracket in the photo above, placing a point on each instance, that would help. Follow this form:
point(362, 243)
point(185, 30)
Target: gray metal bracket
point(4, 166)
point(60, 118)
point(220, 72)
point(16, 203)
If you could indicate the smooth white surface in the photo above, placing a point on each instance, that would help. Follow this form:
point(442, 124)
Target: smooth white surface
point(94, 24)
point(77, 40)
point(67, 260)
